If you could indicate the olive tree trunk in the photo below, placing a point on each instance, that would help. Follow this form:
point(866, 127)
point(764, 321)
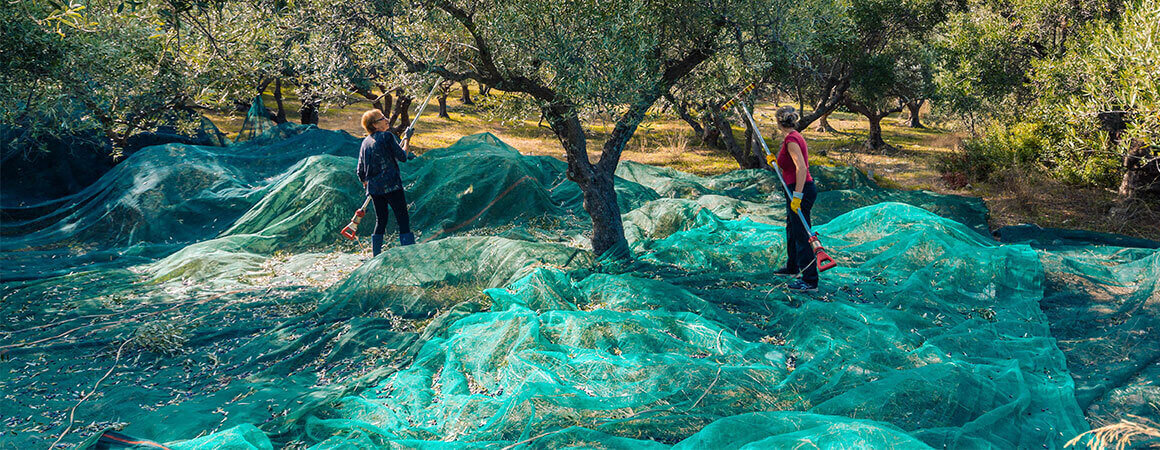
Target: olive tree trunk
point(874, 115)
point(280, 115)
point(824, 124)
point(466, 93)
point(914, 106)
point(745, 157)
point(309, 111)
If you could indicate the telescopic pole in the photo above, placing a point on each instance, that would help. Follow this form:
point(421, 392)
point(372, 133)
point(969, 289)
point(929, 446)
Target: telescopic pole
point(823, 259)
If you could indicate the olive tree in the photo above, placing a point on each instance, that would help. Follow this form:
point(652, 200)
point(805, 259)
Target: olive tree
point(614, 58)
point(1099, 103)
point(986, 51)
point(788, 48)
point(72, 70)
point(893, 65)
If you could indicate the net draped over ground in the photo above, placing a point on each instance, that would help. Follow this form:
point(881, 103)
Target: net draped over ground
point(212, 281)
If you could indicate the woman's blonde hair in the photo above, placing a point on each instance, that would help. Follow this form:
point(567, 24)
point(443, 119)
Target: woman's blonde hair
point(368, 120)
point(787, 116)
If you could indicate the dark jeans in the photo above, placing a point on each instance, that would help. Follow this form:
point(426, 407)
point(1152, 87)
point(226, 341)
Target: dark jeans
point(799, 254)
point(396, 201)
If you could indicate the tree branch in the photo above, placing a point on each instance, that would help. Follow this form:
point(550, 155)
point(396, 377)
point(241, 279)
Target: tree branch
point(834, 94)
point(626, 125)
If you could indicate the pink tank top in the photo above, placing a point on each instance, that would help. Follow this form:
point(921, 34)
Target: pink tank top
point(785, 161)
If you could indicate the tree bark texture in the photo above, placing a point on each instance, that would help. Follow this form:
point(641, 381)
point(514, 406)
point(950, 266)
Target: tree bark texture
point(711, 136)
point(682, 111)
point(913, 107)
point(824, 124)
point(309, 111)
point(1141, 169)
point(595, 183)
point(400, 118)
point(1141, 162)
point(744, 157)
point(833, 95)
point(383, 103)
point(607, 228)
point(874, 141)
point(280, 115)
point(443, 106)
point(466, 98)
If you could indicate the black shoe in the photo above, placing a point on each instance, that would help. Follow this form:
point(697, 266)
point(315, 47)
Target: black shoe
point(801, 285)
point(376, 244)
point(786, 271)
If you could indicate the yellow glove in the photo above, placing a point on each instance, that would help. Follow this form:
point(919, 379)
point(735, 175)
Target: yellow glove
point(769, 159)
point(796, 203)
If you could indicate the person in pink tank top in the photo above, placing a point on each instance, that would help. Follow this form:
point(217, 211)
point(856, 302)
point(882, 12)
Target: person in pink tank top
point(794, 161)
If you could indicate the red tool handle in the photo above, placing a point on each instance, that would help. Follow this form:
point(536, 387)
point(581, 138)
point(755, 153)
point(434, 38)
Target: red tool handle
point(348, 231)
point(825, 262)
point(351, 228)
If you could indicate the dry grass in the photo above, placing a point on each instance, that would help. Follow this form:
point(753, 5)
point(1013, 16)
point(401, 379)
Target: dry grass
point(1119, 436)
point(1013, 198)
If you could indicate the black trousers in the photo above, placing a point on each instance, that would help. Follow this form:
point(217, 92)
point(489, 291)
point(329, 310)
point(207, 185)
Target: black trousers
point(799, 254)
point(395, 201)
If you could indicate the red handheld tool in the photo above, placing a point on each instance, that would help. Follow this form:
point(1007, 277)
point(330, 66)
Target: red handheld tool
point(352, 227)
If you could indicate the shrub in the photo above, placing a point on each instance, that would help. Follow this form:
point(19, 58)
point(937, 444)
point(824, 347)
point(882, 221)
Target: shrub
point(1018, 147)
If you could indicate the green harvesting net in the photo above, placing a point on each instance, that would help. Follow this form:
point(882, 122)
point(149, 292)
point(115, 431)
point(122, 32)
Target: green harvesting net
point(200, 297)
point(257, 121)
point(1102, 299)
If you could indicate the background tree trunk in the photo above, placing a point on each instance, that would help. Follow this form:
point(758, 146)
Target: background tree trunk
point(914, 106)
point(309, 111)
point(466, 99)
point(1136, 160)
point(682, 111)
point(280, 115)
point(824, 124)
point(711, 135)
point(443, 106)
point(744, 157)
point(444, 91)
point(833, 95)
point(400, 118)
point(377, 101)
point(749, 138)
point(386, 102)
point(874, 140)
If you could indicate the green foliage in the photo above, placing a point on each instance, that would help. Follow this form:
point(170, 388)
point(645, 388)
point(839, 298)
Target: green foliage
point(987, 51)
point(980, 159)
point(1112, 71)
point(1060, 76)
point(72, 70)
point(796, 46)
point(595, 55)
point(892, 59)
